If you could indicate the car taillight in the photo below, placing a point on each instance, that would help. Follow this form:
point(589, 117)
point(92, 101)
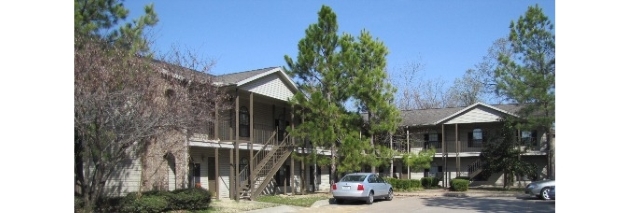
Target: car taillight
point(360, 187)
point(334, 186)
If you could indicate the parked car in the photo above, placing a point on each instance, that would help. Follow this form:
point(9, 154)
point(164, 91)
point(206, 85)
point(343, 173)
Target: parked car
point(541, 188)
point(362, 186)
point(552, 193)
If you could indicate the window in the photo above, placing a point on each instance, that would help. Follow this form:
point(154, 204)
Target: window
point(354, 178)
point(379, 179)
point(243, 122)
point(476, 138)
point(372, 179)
point(433, 140)
point(529, 138)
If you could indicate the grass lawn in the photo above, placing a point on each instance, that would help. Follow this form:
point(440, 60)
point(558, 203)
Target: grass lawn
point(295, 200)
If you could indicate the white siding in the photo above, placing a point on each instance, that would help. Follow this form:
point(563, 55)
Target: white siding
point(477, 115)
point(125, 178)
point(271, 86)
point(224, 173)
point(200, 155)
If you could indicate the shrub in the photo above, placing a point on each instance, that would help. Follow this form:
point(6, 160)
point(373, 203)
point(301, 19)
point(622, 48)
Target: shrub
point(428, 182)
point(145, 204)
point(108, 204)
point(463, 178)
point(404, 184)
point(459, 185)
point(189, 199)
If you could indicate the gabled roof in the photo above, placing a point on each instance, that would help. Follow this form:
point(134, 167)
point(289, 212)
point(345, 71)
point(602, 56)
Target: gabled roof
point(473, 106)
point(245, 77)
point(234, 78)
point(422, 117)
point(231, 79)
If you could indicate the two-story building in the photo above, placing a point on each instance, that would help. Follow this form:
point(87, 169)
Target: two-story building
point(243, 153)
point(458, 134)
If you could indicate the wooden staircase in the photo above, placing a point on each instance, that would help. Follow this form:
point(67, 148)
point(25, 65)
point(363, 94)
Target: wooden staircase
point(475, 168)
point(267, 161)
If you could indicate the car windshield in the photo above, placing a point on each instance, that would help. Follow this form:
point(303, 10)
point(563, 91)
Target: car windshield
point(353, 178)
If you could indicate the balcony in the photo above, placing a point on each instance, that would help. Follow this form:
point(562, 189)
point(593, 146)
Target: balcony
point(261, 133)
point(470, 146)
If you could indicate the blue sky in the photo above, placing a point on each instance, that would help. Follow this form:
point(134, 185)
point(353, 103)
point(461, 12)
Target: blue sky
point(447, 37)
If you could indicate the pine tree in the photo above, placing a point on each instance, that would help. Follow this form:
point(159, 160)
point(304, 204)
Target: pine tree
point(527, 77)
point(321, 81)
point(372, 93)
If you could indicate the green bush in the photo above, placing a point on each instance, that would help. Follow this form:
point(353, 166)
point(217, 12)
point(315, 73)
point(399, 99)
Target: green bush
point(403, 184)
point(108, 204)
point(161, 201)
point(428, 182)
point(459, 185)
point(145, 204)
point(189, 199)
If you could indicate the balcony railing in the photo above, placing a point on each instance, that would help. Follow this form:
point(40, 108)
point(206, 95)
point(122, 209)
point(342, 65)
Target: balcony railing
point(466, 146)
point(261, 133)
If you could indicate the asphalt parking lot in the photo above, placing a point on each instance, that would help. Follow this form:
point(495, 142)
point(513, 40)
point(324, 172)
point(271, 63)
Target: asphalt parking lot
point(429, 204)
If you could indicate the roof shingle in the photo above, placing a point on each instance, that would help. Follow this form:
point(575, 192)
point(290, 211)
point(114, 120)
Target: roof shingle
point(233, 78)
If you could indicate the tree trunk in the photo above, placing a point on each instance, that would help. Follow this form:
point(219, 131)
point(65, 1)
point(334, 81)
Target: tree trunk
point(391, 160)
point(551, 155)
point(333, 167)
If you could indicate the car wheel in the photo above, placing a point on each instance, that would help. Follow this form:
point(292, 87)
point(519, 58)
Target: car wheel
point(390, 195)
point(544, 194)
point(370, 198)
point(339, 201)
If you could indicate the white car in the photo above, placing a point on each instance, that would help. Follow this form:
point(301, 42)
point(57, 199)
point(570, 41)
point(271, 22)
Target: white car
point(362, 186)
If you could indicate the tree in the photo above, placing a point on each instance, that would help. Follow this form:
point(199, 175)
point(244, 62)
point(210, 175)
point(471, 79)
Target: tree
point(373, 95)
point(527, 76)
point(125, 102)
point(330, 71)
point(420, 160)
point(418, 92)
point(502, 154)
point(321, 98)
point(466, 90)
point(100, 19)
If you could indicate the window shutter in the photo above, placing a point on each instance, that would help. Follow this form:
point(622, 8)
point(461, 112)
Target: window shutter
point(534, 138)
point(426, 137)
point(470, 138)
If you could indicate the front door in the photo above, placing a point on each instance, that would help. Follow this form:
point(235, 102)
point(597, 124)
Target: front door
point(212, 181)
